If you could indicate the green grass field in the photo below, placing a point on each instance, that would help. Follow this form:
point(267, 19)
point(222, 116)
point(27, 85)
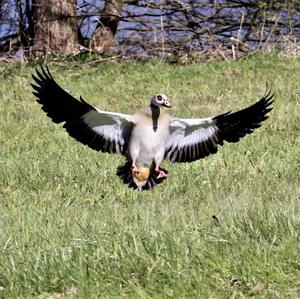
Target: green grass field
point(71, 229)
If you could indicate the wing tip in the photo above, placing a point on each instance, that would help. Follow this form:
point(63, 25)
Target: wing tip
point(268, 97)
point(43, 73)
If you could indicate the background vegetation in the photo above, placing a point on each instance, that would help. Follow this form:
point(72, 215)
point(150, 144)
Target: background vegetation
point(201, 29)
point(70, 228)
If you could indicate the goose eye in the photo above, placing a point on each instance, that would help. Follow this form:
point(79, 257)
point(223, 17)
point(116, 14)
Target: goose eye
point(159, 97)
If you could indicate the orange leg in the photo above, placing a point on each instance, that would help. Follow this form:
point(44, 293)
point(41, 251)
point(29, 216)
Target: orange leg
point(134, 168)
point(161, 173)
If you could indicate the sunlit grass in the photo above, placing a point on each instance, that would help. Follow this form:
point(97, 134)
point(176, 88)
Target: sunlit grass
point(68, 223)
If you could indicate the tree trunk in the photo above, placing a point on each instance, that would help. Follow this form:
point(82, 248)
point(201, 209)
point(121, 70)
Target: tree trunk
point(103, 38)
point(23, 37)
point(55, 27)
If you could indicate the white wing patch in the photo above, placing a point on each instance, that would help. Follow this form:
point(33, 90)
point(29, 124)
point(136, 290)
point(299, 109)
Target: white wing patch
point(109, 125)
point(191, 139)
point(114, 128)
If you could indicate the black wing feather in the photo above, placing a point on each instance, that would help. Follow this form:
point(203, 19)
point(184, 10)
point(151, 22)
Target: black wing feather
point(60, 106)
point(233, 126)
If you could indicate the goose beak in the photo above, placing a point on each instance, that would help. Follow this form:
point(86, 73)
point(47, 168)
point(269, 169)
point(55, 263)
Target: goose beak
point(167, 104)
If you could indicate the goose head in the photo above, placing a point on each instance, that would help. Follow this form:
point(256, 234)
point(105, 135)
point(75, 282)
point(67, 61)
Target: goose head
point(160, 100)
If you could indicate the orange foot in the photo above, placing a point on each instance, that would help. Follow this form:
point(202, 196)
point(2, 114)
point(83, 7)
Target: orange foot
point(134, 168)
point(161, 173)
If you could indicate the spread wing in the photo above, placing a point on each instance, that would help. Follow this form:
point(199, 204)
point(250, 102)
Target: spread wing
point(193, 139)
point(100, 130)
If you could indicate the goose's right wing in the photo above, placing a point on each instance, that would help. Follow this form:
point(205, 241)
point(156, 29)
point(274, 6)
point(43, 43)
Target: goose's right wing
point(100, 130)
point(193, 139)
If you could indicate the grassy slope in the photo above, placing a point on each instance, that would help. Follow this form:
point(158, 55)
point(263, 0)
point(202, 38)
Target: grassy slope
point(67, 221)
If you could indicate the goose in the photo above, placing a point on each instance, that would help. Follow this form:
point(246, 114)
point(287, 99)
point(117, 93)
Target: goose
point(150, 135)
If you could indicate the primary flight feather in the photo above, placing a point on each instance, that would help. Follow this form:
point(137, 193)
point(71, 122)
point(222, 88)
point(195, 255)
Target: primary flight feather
point(150, 135)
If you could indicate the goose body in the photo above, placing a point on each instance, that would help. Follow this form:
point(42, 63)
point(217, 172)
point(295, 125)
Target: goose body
point(154, 125)
point(149, 136)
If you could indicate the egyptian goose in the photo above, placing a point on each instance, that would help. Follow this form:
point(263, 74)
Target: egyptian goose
point(148, 136)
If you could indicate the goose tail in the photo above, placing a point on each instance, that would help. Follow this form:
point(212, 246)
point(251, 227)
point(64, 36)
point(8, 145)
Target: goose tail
point(144, 179)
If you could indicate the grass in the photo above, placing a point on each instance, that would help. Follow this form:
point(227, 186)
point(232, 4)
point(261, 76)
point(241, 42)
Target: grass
point(71, 229)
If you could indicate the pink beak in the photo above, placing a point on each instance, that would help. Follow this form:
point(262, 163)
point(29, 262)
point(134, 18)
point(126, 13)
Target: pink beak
point(167, 104)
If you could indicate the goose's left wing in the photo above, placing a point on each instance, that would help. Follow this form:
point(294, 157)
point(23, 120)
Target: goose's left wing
point(100, 130)
point(193, 139)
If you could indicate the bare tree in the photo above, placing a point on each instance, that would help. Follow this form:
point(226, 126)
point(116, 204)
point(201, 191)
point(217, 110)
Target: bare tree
point(103, 38)
point(25, 22)
point(55, 27)
point(189, 28)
